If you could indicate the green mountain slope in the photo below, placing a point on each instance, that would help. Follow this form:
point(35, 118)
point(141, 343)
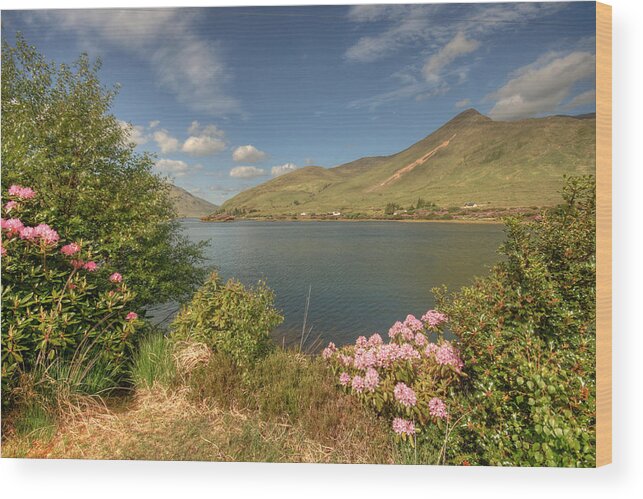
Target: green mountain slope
point(188, 205)
point(469, 159)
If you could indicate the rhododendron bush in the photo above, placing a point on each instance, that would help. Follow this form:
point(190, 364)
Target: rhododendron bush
point(408, 379)
point(57, 295)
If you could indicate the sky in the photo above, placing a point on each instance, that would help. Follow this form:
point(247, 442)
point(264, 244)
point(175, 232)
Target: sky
point(227, 98)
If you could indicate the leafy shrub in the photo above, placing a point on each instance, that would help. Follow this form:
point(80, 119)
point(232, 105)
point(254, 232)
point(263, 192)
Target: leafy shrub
point(527, 337)
point(408, 380)
point(229, 318)
point(59, 137)
point(58, 303)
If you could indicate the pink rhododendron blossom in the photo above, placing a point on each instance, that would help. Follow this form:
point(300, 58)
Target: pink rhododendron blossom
point(407, 352)
point(430, 349)
point(420, 339)
point(12, 225)
point(46, 234)
point(346, 360)
point(365, 359)
point(77, 264)
point(344, 379)
point(131, 316)
point(371, 379)
point(437, 408)
point(116, 277)
point(10, 206)
point(21, 192)
point(70, 249)
point(28, 233)
point(375, 340)
point(387, 354)
point(433, 318)
point(361, 342)
point(404, 395)
point(395, 329)
point(413, 324)
point(358, 384)
point(448, 355)
point(403, 426)
point(90, 266)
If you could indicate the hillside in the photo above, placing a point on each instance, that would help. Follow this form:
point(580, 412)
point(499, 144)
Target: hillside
point(470, 159)
point(188, 205)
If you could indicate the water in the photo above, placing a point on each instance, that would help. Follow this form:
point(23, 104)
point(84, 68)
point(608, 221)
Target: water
point(364, 275)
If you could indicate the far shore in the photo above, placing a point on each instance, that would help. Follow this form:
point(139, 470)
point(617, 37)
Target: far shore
point(492, 221)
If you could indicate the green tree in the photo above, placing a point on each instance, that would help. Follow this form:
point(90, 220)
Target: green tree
point(60, 137)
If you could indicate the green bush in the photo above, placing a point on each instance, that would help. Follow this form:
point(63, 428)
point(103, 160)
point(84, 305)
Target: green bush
point(59, 137)
point(527, 338)
point(153, 362)
point(229, 318)
point(59, 305)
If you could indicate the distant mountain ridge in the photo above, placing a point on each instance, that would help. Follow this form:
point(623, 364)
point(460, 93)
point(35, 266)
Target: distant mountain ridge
point(188, 205)
point(470, 159)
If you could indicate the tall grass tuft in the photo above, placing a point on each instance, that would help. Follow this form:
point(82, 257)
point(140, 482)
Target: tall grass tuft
point(154, 363)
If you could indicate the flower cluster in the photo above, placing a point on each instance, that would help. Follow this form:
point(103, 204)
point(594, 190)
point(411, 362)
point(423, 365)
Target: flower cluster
point(404, 378)
point(21, 192)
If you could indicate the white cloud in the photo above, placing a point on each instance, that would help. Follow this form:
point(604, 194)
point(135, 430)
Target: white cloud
point(582, 99)
point(154, 123)
point(456, 48)
point(283, 169)
point(540, 87)
point(135, 133)
point(462, 103)
point(248, 154)
point(204, 141)
point(183, 61)
point(165, 141)
point(247, 172)
point(172, 167)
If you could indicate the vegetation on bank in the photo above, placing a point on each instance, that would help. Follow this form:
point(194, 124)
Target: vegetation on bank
point(84, 375)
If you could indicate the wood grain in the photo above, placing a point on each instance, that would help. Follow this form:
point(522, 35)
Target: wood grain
point(603, 234)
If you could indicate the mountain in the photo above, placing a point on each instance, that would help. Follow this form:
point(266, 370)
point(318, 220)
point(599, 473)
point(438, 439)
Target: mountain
point(188, 205)
point(470, 159)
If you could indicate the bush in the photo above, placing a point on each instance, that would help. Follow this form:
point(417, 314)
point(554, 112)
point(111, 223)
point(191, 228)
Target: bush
point(230, 319)
point(58, 303)
point(153, 362)
point(59, 137)
point(527, 337)
point(408, 380)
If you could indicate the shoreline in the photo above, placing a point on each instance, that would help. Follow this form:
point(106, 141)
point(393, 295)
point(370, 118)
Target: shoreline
point(455, 221)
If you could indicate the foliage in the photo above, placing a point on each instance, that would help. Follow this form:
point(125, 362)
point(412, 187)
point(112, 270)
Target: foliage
point(59, 136)
point(153, 362)
point(229, 318)
point(527, 337)
point(408, 380)
point(58, 303)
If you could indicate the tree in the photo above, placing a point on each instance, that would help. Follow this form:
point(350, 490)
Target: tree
point(60, 137)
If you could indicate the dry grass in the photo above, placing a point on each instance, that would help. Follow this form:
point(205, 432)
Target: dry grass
point(282, 416)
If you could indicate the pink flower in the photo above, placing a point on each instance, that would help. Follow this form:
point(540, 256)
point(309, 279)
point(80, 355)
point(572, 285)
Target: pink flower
point(28, 233)
point(77, 264)
point(132, 316)
point(46, 234)
point(344, 379)
point(116, 277)
point(430, 349)
point(90, 266)
point(433, 318)
point(70, 249)
point(403, 426)
point(12, 226)
point(364, 359)
point(404, 395)
point(361, 342)
point(375, 340)
point(448, 355)
point(371, 379)
point(21, 192)
point(395, 329)
point(346, 360)
point(407, 352)
point(387, 354)
point(437, 408)
point(10, 206)
point(420, 339)
point(328, 351)
point(413, 324)
point(358, 384)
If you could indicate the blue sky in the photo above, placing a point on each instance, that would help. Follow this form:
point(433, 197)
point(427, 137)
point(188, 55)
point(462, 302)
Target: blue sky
point(228, 98)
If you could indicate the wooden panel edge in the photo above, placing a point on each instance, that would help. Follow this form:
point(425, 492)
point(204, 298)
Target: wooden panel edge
point(603, 234)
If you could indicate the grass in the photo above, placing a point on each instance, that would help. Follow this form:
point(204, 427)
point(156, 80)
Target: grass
point(285, 408)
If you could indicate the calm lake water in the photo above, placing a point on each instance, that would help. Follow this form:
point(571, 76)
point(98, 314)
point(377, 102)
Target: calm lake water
point(363, 275)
